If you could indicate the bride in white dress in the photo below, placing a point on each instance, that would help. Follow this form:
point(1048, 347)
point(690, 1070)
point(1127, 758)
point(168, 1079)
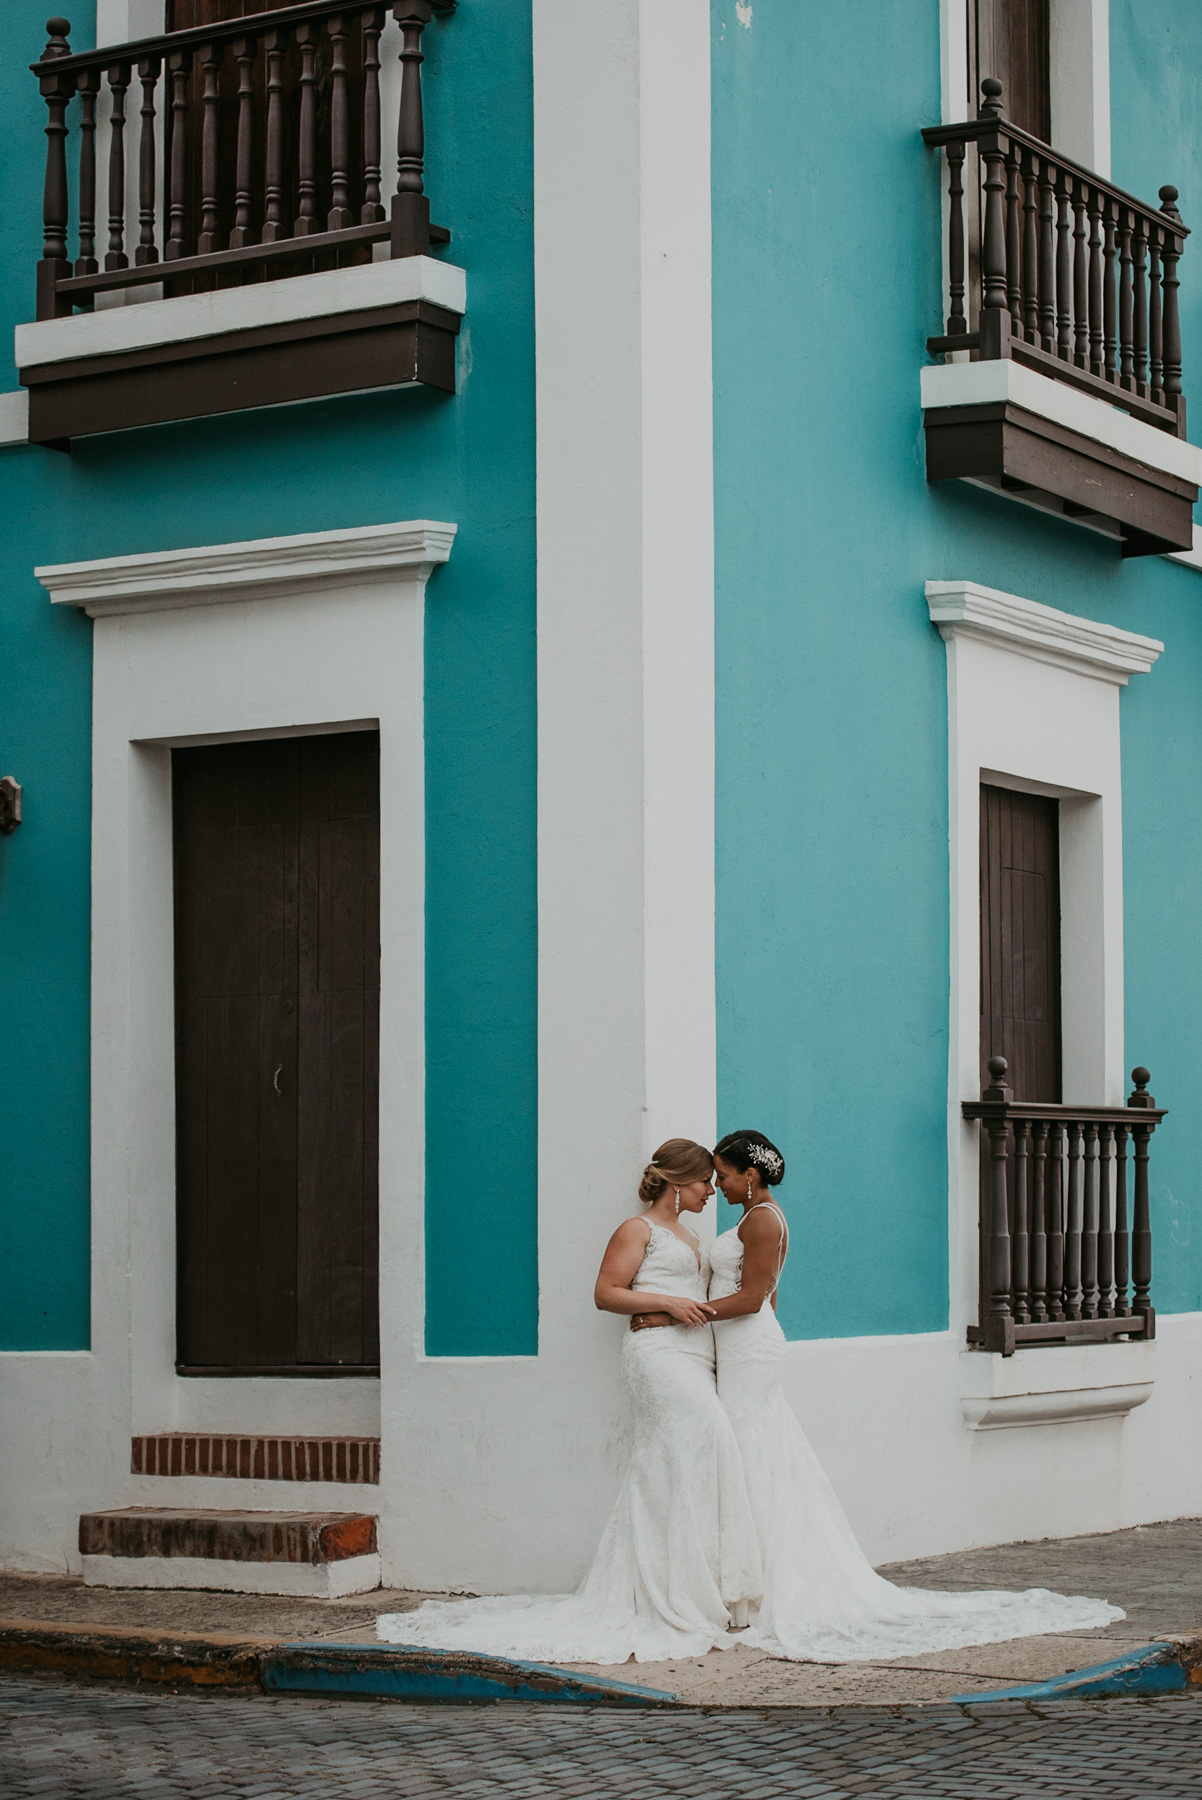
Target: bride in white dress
point(823, 1601)
point(678, 1562)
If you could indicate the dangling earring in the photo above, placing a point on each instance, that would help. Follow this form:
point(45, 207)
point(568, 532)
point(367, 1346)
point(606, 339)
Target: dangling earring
point(749, 1190)
point(678, 1203)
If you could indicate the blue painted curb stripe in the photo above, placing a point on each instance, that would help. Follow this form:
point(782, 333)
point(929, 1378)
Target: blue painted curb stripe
point(1155, 1670)
point(411, 1673)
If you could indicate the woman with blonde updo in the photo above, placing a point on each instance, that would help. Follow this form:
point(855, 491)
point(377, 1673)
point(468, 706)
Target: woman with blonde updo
point(678, 1566)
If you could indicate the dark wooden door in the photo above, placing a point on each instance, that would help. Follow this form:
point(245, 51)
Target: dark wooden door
point(1020, 940)
point(1009, 39)
point(277, 983)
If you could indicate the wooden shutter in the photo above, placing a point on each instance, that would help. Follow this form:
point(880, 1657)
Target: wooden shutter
point(1020, 940)
point(1010, 39)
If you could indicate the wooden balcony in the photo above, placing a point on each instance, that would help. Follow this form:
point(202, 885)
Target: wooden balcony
point(1060, 1261)
point(1067, 287)
point(257, 159)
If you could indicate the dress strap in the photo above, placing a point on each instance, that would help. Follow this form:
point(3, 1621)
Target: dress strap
point(784, 1233)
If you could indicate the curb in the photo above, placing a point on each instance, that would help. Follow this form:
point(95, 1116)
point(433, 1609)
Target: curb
point(1166, 1668)
point(408, 1672)
point(216, 1660)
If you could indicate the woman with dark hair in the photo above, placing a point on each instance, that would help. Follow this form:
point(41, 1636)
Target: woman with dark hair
point(823, 1601)
point(677, 1566)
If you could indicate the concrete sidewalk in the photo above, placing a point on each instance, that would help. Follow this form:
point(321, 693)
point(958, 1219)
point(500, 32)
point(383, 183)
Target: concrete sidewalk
point(1154, 1572)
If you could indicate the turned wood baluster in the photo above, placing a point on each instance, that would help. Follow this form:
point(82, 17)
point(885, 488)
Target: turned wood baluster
point(1031, 246)
point(118, 79)
point(1047, 258)
point(1039, 1238)
point(1122, 1242)
point(245, 52)
point(1141, 1225)
point(1139, 347)
point(306, 219)
point(1109, 288)
point(89, 85)
point(1090, 1215)
point(1014, 239)
point(1172, 317)
point(149, 69)
point(274, 228)
point(339, 216)
point(410, 207)
point(211, 56)
point(1155, 320)
point(373, 25)
point(57, 90)
point(1094, 210)
point(1072, 1226)
point(956, 322)
point(1021, 1239)
point(1126, 300)
point(1080, 275)
point(179, 62)
point(1054, 1209)
point(1064, 267)
point(1106, 1223)
point(997, 1322)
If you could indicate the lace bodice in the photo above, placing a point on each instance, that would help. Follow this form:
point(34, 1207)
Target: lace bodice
point(669, 1266)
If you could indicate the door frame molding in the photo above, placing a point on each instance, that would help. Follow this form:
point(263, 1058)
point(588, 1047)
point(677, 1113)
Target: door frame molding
point(318, 632)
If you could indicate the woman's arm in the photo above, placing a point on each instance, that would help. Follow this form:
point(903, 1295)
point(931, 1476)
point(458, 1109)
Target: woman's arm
point(762, 1245)
point(621, 1263)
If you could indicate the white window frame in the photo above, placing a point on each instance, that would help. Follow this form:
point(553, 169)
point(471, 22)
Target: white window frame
point(1079, 76)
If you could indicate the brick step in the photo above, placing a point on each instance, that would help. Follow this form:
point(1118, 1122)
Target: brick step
point(344, 1459)
point(316, 1553)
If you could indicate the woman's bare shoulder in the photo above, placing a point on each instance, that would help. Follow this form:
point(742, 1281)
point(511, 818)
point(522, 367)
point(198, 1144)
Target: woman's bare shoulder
point(761, 1221)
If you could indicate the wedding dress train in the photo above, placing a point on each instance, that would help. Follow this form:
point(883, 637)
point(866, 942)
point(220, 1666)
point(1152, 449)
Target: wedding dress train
point(823, 1601)
point(677, 1561)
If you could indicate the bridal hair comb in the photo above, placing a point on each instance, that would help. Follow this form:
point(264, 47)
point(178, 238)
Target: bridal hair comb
point(764, 1158)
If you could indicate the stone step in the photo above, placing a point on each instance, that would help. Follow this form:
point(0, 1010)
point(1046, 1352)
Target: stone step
point(317, 1553)
point(259, 1458)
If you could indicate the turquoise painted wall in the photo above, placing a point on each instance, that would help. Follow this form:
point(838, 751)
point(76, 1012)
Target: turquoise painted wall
point(343, 462)
point(831, 707)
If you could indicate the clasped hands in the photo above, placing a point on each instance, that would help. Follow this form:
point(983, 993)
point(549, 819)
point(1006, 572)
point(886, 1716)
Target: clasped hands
point(683, 1312)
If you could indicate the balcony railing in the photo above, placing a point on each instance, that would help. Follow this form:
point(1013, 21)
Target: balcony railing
point(267, 130)
point(1065, 272)
point(1059, 1260)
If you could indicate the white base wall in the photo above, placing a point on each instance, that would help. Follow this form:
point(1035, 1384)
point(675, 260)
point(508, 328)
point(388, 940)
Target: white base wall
point(322, 1581)
point(505, 1470)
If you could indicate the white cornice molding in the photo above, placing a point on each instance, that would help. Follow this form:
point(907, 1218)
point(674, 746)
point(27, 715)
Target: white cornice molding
point(310, 562)
point(1024, 627)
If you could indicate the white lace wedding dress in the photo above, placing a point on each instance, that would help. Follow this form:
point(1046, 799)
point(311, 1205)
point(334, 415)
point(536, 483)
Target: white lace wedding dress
point(677, 1562)
point(823, 1601)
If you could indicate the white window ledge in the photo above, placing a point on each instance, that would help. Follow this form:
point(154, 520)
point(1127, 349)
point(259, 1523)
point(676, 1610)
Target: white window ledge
point(1007, 621)
point(1055, 1384)
point(120, 329)
point(14, 418)
point(262, 567)
point(988, 383)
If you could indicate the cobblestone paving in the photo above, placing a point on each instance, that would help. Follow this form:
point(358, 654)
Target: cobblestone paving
point(60, 1742)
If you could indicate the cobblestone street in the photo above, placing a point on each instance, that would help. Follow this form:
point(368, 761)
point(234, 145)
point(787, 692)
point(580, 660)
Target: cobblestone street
point(61, 1742)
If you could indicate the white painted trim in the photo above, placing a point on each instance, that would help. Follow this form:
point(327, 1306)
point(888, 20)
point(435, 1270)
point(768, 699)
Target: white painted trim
point(677, 572)
point(123, 21)
point(322, 1581)
point(986, 383)
point(1033, 703)
point(1079, 58)
point(14, 417)
point(309, 562)
point(1052, 1387)
point(190, 317)
point(1083, 646)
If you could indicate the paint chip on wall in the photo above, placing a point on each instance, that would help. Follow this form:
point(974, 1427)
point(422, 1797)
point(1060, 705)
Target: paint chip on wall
point(743, 13)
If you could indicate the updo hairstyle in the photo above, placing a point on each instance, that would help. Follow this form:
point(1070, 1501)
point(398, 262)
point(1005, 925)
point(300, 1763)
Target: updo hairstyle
point(747, 1149)
point(678, 1161)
